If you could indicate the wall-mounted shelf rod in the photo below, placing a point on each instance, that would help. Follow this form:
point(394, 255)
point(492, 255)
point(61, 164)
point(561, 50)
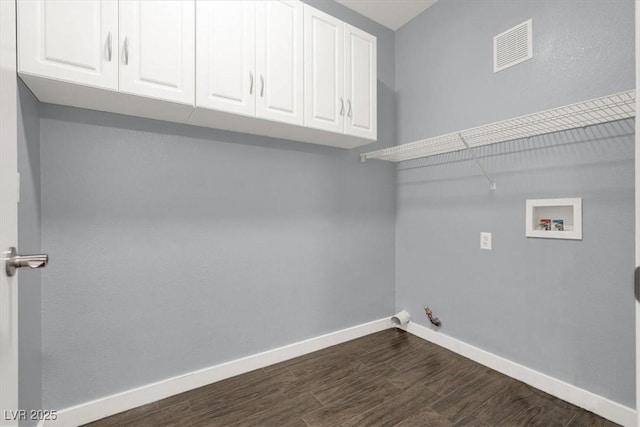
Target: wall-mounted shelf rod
point(478, 162)
point(595, 111)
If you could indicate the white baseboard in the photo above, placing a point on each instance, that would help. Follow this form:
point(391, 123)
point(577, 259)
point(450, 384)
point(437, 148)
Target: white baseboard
point(585, 399)
point(110, 405)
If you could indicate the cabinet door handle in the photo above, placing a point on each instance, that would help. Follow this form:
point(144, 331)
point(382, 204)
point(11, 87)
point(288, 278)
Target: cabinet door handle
point(250, 83)
point(349, 111)
point(261, 86)
point(341, 107)
point(109, 50)
point(126, 51)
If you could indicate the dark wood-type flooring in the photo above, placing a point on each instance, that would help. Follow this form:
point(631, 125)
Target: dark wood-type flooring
point(390, 378)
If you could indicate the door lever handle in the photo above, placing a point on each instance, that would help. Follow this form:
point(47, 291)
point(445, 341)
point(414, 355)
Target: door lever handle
point(637, 283)
point(15, 261)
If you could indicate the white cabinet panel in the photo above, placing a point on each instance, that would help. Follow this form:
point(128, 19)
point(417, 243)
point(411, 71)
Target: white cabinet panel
point(360, 83)
point(279, 56)
point(324, 71)
point(278, 68)
point(157, 45)
point(225, 56)
point(75, 41)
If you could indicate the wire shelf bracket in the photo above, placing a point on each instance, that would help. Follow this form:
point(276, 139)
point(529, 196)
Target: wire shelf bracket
point(610, 108)
point(478, 162)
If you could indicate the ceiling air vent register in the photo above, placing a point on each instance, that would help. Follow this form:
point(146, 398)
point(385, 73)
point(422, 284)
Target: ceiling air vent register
point(512, 47)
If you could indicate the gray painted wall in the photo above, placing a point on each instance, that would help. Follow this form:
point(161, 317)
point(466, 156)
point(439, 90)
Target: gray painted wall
point(29, 331)
point(564, 308)
point(176, 248)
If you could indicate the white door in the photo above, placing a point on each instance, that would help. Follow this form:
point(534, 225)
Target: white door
point(8, 214)
point(360, 83)
point(74, 41)
point(279, 53)
point(225, 56)
point(637, 290)
point(324, 104)
point(157, 45)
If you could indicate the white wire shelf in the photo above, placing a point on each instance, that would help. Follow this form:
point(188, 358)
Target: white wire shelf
point(609, 108)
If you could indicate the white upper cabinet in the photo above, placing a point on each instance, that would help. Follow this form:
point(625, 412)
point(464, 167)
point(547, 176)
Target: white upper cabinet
point(225, 56)
point(360, 86)
point(341, 76)
point(73, 41)
point(279, 56)
point(157, 49)
point(276, 68)
point(324, 71)
point(249, 58)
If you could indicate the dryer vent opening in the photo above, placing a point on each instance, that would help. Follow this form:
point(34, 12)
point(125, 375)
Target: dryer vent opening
point(401, 319)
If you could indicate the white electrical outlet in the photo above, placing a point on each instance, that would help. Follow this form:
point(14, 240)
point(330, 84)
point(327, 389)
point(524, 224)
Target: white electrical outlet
point(485, 240)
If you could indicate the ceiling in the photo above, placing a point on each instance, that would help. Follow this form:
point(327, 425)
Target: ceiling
point(390, 13)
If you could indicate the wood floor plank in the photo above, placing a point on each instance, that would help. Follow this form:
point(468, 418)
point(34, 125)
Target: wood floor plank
point(396, 408)
point(543, 411)
point(371, 341)
point(330, 356)
point(387, 351)
point(456, 376)
point(286, 413)
point(329, 361)
point(363, 396)
point(322, 380)
point(216, 389)
point(390, 378)
point(502, 408)
point(229, 415)
point(541, 415)
point(422, 371)
point(420, 354)
point(469, 399)
point(471, 421)
point(425, 417)
point(350, 386)
point(224, 403)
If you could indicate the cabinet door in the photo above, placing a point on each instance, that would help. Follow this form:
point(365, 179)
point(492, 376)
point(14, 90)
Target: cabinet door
point(360, 84)
point(74, 41)
point(279, 69)
point(157, 49)
point(225, 56)
point(323, 71)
